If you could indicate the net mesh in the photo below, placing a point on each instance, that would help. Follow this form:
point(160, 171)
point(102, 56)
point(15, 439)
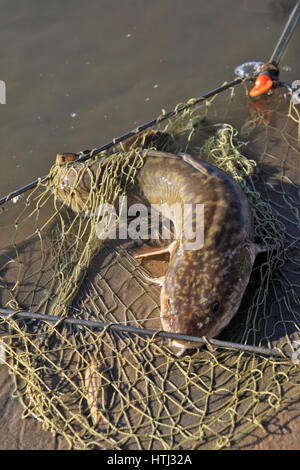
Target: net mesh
point(115, 390)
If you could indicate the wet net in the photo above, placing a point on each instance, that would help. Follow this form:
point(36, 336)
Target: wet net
point(110, 389)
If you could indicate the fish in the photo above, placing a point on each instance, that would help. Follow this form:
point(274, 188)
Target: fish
point(203, 288)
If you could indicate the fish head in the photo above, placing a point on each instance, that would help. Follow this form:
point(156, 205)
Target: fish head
point(201, 294)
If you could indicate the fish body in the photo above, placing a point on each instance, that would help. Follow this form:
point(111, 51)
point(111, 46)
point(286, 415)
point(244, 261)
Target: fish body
point(203, 288)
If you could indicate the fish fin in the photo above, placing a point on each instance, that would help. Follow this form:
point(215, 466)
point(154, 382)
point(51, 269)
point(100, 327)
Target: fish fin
point(256, 248)
point(178, 348)
point(156, 153)
point(186, 157)
point(194, 162)
point(145, 253)
point(157, 280)
point(151, 252)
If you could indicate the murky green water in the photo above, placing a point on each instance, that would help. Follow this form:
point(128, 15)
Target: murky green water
point(79, 73)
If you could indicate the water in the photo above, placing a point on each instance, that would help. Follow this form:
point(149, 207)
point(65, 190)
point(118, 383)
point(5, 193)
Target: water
point(79, 73)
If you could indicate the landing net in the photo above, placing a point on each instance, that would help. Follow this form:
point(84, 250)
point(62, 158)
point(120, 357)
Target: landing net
point(114, 390)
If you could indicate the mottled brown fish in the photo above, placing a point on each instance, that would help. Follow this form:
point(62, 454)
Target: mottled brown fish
point(203, 288)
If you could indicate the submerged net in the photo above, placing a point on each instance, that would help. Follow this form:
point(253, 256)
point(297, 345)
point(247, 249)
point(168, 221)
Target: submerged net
point(114, 390)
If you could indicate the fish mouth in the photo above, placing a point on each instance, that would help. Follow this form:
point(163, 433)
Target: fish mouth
point(169, 323)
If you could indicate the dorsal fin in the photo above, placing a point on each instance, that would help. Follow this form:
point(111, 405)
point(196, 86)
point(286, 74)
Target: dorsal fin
point(195, 163)
point(157, 153)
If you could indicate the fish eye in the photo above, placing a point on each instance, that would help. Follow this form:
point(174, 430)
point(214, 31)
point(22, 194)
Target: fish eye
point(214, 307)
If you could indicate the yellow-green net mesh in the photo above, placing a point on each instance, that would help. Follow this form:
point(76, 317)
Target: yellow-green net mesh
point(115, 390)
